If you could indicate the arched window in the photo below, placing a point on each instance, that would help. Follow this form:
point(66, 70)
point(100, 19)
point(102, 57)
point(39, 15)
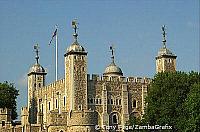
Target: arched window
point(39, 85)
point(114, 119)
point(111, 101)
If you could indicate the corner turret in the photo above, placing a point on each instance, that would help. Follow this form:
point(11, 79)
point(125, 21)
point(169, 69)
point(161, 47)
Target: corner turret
point(166, 60)
point(112, 69)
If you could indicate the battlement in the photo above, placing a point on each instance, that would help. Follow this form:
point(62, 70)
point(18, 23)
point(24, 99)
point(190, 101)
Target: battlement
point(5, 111)
point(96, 77)
point(24, 111)
point(54, 84)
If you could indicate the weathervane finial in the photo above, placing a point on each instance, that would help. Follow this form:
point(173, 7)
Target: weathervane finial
point(75, 27)
point(112, 53)
point(164, 36)
point(36, 47)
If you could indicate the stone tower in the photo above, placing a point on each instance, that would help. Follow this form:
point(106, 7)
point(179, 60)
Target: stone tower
point(36, 79)
point(76, 74)
point(166, 60)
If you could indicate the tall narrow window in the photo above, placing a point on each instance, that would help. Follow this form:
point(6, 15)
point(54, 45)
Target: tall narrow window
point(134, 103)
point(64, 101)
point(39, 85)
point(120, 101)
point(49, 105)
point(114, 119)
point(111, 101)
point(56, 103)
point(99, 101)
point(116, 101)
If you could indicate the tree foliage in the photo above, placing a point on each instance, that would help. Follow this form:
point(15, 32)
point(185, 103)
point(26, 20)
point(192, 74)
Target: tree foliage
point(8, 96)
point(174, 99)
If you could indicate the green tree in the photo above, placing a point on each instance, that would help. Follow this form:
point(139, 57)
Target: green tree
point(190, 119)
point(169, 98)
point(8, 96)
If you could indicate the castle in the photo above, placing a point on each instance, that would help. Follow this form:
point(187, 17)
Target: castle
point(80, 102)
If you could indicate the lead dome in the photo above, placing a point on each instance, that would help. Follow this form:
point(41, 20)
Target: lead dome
point(112, 69)
point(36, 68)
point(75, 47)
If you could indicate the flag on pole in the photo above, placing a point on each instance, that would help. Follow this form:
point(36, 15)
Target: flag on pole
point(54, 34)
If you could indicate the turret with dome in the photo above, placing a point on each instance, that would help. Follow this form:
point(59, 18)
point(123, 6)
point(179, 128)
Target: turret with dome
point(113, 69)
point(166, 60)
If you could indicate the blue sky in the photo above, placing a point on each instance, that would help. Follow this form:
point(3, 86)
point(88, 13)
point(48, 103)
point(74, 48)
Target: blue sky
point(133, 27)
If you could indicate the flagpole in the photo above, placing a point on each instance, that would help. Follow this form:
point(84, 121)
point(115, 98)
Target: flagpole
point(56, 54)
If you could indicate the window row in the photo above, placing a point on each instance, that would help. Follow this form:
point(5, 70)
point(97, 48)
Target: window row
point(109, 101)
point(83, 68)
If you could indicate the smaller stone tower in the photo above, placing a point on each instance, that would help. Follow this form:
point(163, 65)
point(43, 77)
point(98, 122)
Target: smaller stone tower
point(166, 60)
point(36, 79)
point(5, 118)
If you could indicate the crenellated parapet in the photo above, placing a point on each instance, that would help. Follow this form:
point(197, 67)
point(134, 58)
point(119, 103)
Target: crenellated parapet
point(5, 118)
point(96, 77)
point(24, 115)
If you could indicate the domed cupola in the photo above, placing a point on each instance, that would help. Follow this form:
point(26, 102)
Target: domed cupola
point(165, 60)
point(113, 69)
point(75, 47)
point(36, 68)
point(164, 51)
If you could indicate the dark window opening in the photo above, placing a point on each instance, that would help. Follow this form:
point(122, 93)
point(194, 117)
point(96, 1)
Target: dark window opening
point(116, 101)
point(64, 101)
point(49, 105)
point(56, 103)
point(34, 84)
point(114, 119)
point(39, 85)
point(134, 103)
point(99, 101)
point(3, 123)
point(120, 102)
point(91, 101)
point(108, 101)
point(111, 101)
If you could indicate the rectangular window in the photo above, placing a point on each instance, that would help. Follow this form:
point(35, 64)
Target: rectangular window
point(3, 123)
point(64, 101)
point(56, 103)
point(49, 105)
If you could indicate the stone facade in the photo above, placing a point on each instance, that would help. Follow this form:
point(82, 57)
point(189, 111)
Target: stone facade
point(81, 102)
